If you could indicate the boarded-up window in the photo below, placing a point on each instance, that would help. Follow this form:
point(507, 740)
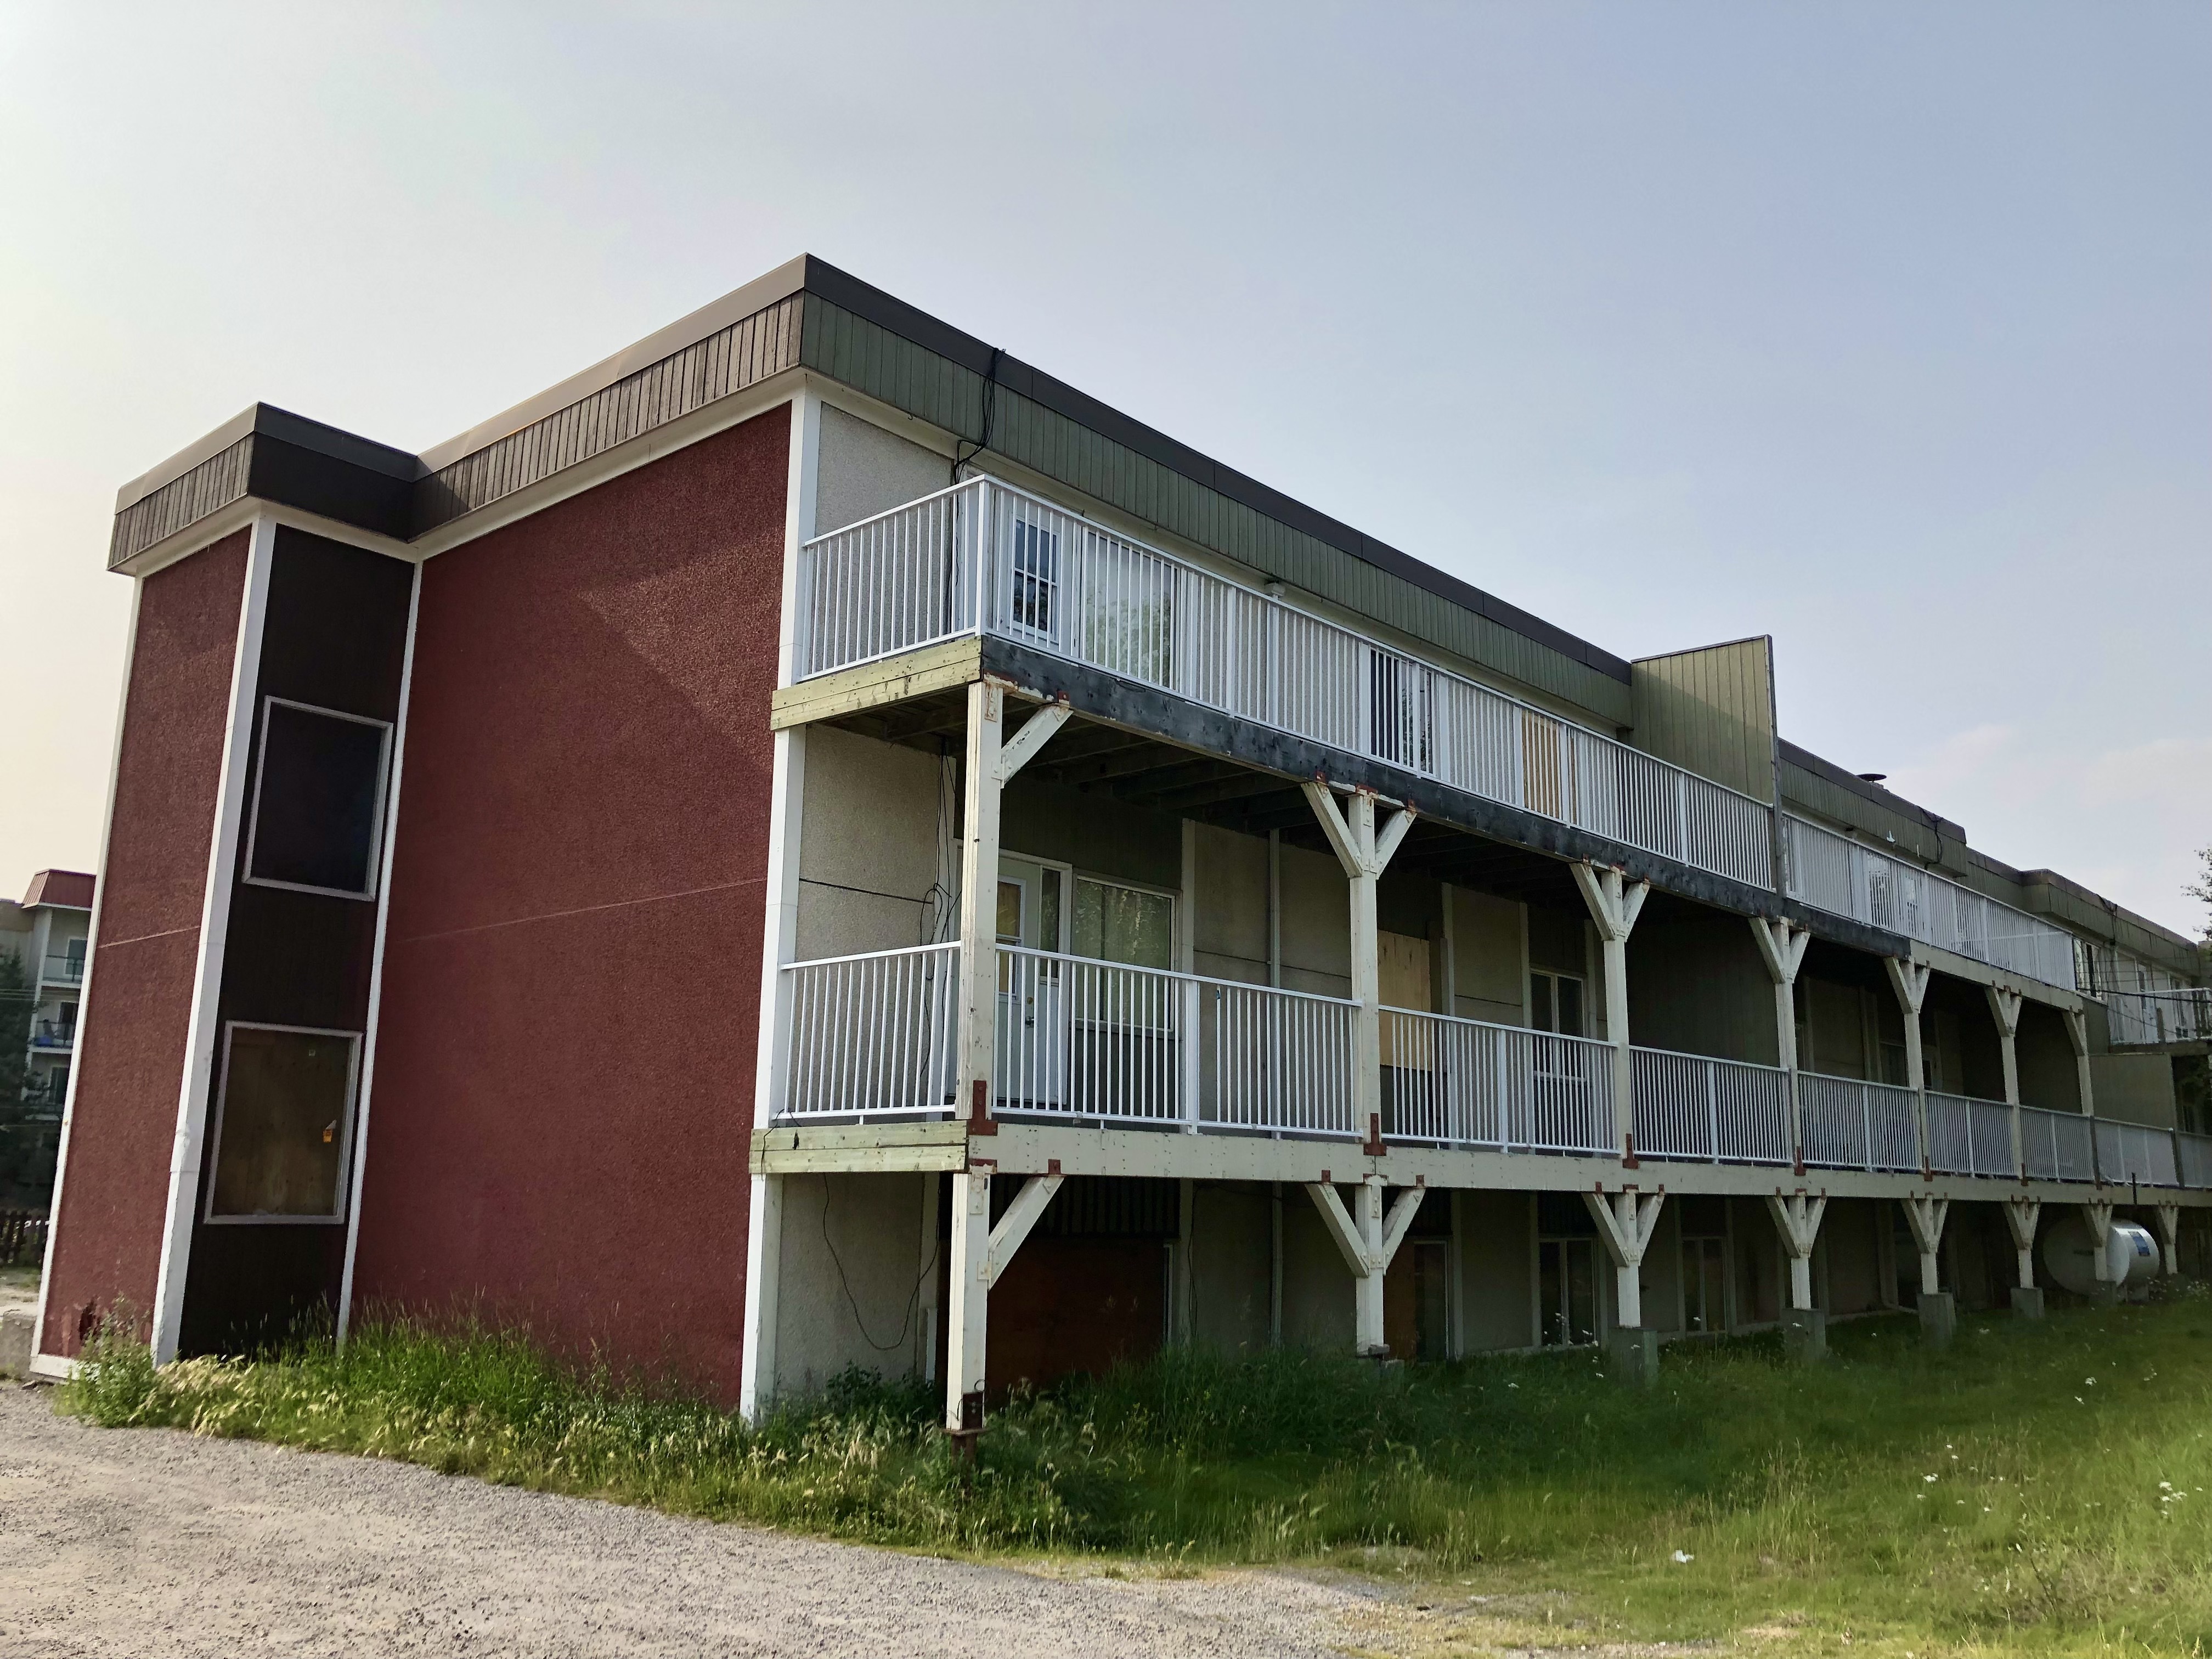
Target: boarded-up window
point(283, 1124)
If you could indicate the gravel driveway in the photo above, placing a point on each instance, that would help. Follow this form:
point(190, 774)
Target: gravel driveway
point(144, 1542)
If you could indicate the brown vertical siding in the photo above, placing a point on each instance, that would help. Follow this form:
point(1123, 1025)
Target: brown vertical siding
point(131, 1047)
point(564, 1074)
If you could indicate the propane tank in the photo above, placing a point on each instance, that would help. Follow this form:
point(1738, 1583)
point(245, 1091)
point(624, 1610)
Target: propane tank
point(2069, 1256)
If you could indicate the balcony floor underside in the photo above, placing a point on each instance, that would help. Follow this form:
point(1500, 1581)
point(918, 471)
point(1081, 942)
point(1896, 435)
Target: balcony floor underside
point(1152, 749)
point(1020, 1148)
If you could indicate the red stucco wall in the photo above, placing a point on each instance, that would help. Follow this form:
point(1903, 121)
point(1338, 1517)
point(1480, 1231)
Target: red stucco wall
point(564, 1074)
point(131, 1041)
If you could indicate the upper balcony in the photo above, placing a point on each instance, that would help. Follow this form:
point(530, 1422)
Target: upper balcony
point(64, 970)
point(986, 558)
point(1835, 873)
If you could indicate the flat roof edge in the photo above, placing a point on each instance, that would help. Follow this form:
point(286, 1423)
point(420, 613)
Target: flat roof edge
point(268, 421)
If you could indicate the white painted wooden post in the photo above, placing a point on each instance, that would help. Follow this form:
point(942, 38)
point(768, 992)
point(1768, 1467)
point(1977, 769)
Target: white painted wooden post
point(1797, 1219)
point(967, 1319)
point(2004, 1009)
point(2169, 1234)
point(2077, 1037)
point(2021, 1217)
point(1191, 1053)
point(1782, 950)
point(1364, 854)
point(1368, 1243)
point(2099, 1215)
point(1626, 1223)
point(979, 904)
point(1925, 1216)
point(1614, 903)
point(1909, 980)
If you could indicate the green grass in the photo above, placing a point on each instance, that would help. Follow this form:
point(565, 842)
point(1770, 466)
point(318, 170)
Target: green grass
point(1991, 1499)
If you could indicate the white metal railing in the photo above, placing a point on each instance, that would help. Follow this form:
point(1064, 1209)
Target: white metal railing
point(1835, 873)
point(2151, 1016)
point(1691, 1106)
point(2193, 1158)
point(1850, 1124)
point(1465, 1083)
point(985, 557)
point(1969, 1137)
point(873, 1036)
point(1104, 1041)
point(2134, 1153)
point(2056, 1146)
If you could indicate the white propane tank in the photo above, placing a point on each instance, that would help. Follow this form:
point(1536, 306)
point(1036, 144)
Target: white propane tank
point(2069, 1256)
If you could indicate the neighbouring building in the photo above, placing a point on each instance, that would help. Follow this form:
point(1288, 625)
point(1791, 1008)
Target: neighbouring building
point(812, 843)
point(45, 935)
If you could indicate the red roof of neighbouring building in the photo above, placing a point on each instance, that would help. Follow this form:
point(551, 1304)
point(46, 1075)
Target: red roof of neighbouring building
point(70, 889)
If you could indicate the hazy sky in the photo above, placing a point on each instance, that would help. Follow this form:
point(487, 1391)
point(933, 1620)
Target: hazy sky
point(1885, 330)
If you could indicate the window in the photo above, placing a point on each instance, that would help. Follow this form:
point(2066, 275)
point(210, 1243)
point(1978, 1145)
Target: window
point(1036, 579)
point(318, 800)
point(1555, 1003)
point(283, 1124)
point(1010, 912)
point(1113, 923)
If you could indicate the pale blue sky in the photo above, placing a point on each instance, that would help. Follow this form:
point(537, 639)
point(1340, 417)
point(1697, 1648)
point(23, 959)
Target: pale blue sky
point(1885, 330)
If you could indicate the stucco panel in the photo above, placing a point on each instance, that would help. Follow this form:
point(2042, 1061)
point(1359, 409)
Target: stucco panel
point(132, 1037)
point(565, 1077)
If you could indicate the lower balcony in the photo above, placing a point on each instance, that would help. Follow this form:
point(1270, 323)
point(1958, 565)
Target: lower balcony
point(873, 1038)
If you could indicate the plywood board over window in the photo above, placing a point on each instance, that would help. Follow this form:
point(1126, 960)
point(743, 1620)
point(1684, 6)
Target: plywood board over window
point(283, 1124)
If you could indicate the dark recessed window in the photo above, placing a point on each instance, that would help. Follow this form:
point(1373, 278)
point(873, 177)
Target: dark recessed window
point(283, 1123)
point(318, 800)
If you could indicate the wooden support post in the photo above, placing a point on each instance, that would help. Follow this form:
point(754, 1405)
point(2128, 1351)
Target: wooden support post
point(2098, 1216)
point(1925, 1216)
point(979, 920)
point(1909, 980)
point(1364, 854)
point(2020, 1216)
point(1625, 1222)
point(1368, 1243)
point(1782, 949)
point(1615, 902)
point(1797, 1219)
point(980, 1253)
point(2004, 1009)
point(2169, 1235)
point(2077, 1038)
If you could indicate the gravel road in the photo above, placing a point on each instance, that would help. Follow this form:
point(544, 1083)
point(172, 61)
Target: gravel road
point(143, 1542)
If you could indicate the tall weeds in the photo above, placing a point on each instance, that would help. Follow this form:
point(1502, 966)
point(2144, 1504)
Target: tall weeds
point(1991, 1492)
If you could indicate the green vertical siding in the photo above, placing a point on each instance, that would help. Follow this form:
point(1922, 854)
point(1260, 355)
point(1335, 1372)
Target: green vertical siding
point(909, 377)
point(1711, 710)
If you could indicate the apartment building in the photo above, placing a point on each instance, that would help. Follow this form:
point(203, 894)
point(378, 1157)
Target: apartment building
point(812, 843)
point(45, 935)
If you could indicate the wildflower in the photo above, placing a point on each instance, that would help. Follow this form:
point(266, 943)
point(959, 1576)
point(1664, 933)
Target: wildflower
point(1683, 1557)
point(1930, 1479)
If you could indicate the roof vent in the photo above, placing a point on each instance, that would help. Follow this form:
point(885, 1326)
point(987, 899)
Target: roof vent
point(1873, 777)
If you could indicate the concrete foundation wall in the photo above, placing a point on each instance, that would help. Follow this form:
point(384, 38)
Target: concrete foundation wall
point(852, 1255)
